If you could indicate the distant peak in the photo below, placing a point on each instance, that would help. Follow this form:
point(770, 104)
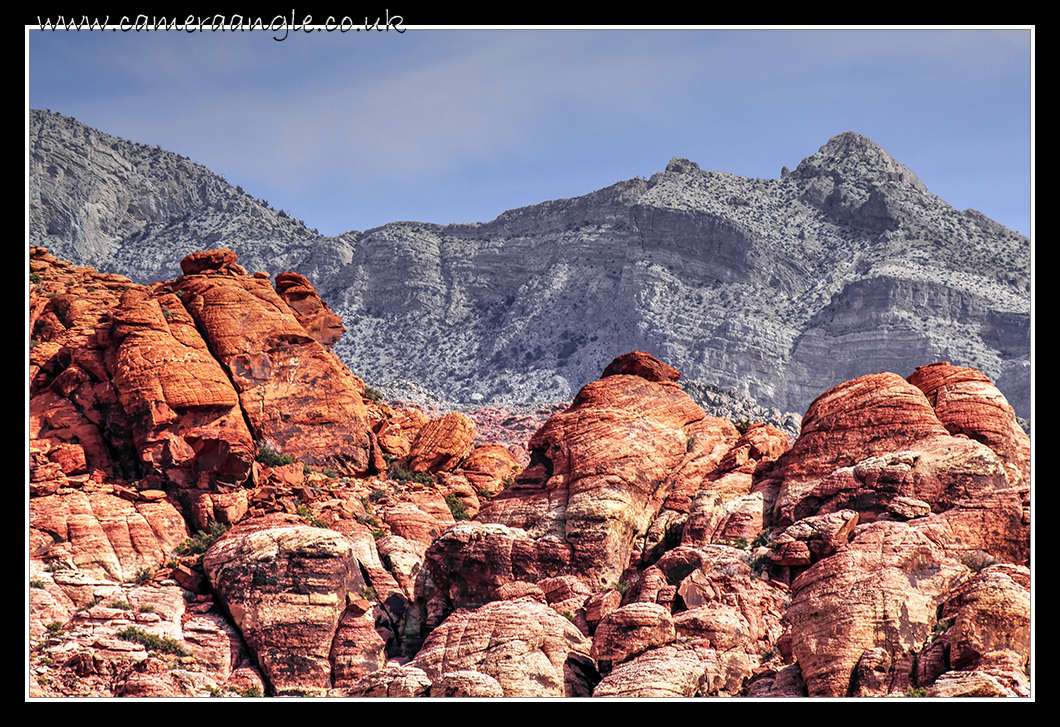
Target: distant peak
point(858, 160)
point(681, 166)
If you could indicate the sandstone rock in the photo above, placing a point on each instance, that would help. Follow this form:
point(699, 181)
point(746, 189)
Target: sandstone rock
point(873, 440)
point(293, 391)
point(285, 587)
point(420, 517)
point(991, 615)
point(393, 681)
point(881, 591)
point(521, 644)
point(319, 322)
point(665, 672)
point(490, 468)
point(358, 649)
point(466, 684)
point(967, 403)
point(471, 561)
point(786, 682)
point(631, 630)
point(600, 471)
point(103, 535)
point(442, 444)
point(643, 365)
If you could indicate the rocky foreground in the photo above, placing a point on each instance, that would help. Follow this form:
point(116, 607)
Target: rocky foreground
point(219, 507)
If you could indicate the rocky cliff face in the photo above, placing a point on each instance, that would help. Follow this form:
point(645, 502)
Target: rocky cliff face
point(646, 549)
point(773, 288)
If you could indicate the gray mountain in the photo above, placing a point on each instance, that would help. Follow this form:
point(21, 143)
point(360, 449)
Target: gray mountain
point(773, 288)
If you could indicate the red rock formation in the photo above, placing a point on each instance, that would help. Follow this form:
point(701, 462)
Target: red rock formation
point(522, 645)
point(644, 365)
point(319, 322)
point(875, 445)
point(968, 404)
point(294, 392)
point(615, 563)
point(601, 470)
point(285, 586)
point(442, 444)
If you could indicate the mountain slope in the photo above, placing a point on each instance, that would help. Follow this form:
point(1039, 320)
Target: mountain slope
point(775, 288)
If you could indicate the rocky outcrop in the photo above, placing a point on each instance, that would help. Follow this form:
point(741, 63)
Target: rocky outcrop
point(776, 288)
point(285, 588)
point(521, 647)
point(293, 391)
point(646, 550)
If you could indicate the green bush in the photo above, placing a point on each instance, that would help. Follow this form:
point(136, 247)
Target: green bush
point(310, 516)
point(269, 458)
point(457, 507)
point(401, 474)
point(915, 692)
point(144, 576)
point(201, 542)
point(978, 559)
point(36, 583)
point(373, 394)
point(152, 642)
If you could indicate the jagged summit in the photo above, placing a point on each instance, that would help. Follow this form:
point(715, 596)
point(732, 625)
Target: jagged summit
point(858, 160)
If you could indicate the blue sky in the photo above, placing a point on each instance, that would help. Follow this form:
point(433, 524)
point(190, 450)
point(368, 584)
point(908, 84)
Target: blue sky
point(352, 130)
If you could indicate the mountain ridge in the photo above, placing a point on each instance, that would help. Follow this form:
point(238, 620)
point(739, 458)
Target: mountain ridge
point(773, 288)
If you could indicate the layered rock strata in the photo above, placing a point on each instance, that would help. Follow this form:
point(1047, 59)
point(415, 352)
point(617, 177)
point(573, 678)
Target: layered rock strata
point(774, 288)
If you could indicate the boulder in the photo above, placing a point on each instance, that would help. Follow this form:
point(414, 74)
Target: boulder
point(522, 644)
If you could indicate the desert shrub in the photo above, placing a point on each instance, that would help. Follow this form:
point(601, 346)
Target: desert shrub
point(401, 474)
point(457, 507)
point(762, 539)
point(269, 458)
point(978, 559)
point(368, 593)
point(152, 642)
point(36, 583)
point(373, 394)
point(144, 576)
point(743, 425)
point(739, 543)
point(915, 692)
point(310, 516)
point(941, 627)
point(201, 542)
